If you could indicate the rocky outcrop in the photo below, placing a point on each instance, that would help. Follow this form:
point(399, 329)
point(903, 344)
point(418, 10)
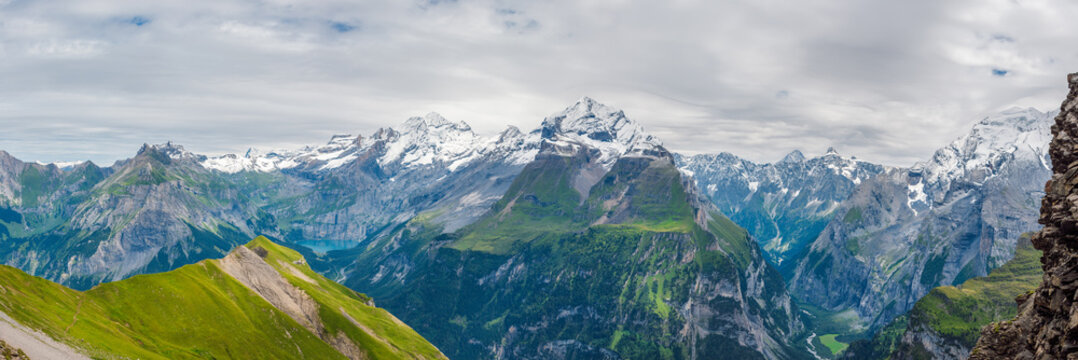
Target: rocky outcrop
point(11, 353)
point(247, 267)
point(1047, 323)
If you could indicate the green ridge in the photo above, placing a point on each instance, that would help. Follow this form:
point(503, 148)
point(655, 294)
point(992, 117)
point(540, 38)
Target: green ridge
point(960, 312)
point(199, 311)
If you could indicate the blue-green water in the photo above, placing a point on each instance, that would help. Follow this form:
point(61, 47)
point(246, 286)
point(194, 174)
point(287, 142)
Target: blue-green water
point(323, 246)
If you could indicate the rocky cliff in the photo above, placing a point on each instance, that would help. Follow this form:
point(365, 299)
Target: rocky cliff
point(1047, 323)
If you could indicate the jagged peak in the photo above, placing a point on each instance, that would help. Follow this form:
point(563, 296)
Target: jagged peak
point(169, 149)
point(587, 116)
point(793, 157)
point(586, 103)
point(434, 120)
point(722, 156)
point(510, 132)
point(978, 154)
point(593, 124)
point(831, 151)
point(385, 134)
point(429, 139)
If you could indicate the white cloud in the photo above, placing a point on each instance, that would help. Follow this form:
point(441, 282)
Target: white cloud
point(66, 49)
point(887, 81)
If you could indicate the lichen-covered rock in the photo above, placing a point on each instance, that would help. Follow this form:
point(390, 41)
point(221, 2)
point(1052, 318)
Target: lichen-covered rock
point(1047, 323)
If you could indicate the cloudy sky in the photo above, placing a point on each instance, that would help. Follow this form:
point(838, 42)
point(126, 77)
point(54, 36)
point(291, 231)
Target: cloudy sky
point(888, 81)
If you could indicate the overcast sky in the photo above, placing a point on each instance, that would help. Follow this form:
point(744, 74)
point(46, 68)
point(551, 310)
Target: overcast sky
point(887, 81)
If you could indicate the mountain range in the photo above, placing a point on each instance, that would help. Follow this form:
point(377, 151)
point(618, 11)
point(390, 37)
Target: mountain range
point(581, 238)
point(784, 205)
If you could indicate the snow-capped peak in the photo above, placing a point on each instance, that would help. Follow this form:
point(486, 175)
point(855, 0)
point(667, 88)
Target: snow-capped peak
point(510, 132)
point(793, 156)
point(431, 138)
point(991, 143)
point(170, 149)
point(516, 147)
point(596, 125)
point(433, 120)
point(62, 164)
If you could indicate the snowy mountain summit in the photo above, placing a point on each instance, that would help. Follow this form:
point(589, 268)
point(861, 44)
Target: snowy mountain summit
point(591, 124)
point(433, 140)
point(429, 139)
point(995, 141)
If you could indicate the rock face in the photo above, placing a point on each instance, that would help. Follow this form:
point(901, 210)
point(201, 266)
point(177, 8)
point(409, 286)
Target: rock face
point(1047, 323)
point(941, 222)
point(250, 269)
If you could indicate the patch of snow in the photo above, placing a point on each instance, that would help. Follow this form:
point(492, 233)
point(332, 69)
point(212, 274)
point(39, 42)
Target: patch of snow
point(916, 194)
point(61, 164)
point(338, 162)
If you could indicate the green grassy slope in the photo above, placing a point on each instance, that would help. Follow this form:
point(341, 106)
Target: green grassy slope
point(542, 203)
point(382, 335)
point(199, 311)
point(960, 312)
